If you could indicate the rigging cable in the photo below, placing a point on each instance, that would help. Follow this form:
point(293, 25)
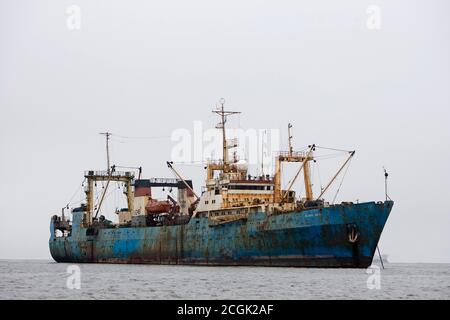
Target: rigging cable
point(328, 156)
point(106, 197)
point(140, 137)
point(342, 150)
point(320, 179)
point(76, 193)
point(342, 180)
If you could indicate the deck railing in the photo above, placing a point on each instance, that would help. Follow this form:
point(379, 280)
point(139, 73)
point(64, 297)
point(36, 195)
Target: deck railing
point(105, 173)
point(293, 154)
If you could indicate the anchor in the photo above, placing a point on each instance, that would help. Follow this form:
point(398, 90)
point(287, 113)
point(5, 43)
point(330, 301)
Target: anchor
point(353, 234)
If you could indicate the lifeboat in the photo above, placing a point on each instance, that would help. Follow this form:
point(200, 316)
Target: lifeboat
point(155, 206)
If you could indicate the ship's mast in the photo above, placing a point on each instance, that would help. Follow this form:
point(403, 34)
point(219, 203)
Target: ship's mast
point(107, 135)
point(223, 115)
point(291, 156)
point(305, 166)
point(262, 151)
point(290, 139)
point(307, 180)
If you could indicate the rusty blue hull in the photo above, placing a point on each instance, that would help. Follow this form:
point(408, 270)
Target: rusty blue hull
point(344, 235)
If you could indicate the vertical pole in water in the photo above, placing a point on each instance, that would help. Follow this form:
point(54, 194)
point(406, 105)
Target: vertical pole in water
point(381, 259)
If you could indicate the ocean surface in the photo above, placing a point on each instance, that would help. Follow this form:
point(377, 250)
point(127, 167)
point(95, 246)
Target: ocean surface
point(43, 279)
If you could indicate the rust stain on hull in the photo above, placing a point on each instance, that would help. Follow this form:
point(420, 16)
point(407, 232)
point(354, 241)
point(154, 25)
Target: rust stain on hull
point(311, 238)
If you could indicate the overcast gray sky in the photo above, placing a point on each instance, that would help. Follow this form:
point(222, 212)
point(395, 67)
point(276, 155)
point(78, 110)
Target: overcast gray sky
point(146, 68)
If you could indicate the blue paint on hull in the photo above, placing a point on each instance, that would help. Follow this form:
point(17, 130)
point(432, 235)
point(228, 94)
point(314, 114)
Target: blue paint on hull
point(310, 238)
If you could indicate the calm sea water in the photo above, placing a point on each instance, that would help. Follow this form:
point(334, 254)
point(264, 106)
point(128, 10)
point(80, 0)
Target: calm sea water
point(41, 279)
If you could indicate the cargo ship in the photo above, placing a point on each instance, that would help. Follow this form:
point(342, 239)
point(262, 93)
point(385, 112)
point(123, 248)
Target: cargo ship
point(237, 219)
